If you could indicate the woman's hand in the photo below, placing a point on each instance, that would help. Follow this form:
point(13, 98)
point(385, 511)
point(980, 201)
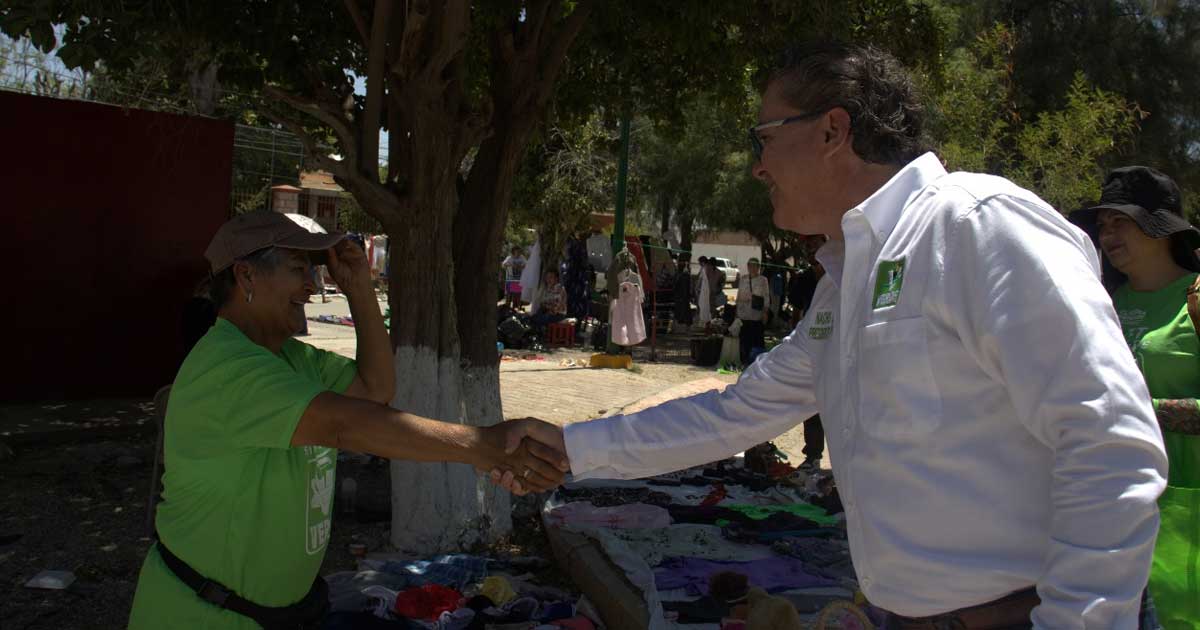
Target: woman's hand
point(525, 456)
point(349, 267)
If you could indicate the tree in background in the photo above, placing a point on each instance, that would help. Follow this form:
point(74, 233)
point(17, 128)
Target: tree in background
point(447, 81)
point(1058, 153)
point(1143, 50)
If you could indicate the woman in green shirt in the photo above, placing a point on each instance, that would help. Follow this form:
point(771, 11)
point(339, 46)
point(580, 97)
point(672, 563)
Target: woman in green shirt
point(1150, 266)
point(253, 425)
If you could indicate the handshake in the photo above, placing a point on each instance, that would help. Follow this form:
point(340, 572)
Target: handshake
point(523, 456)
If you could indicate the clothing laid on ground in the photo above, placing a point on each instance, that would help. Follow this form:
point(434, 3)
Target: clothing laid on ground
point(1164, 341)
point(770, 574)
point(988, 428)
point(240, 505)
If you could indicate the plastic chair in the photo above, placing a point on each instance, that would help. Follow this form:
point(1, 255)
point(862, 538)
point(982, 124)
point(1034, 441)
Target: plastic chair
point(560, 333)
point(161, 398)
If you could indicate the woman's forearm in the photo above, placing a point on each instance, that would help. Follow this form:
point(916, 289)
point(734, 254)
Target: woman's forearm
point(374, 348)
point(1178, 415)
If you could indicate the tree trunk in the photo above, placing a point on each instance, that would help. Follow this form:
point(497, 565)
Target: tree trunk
point(686, 221)
point(436, 507)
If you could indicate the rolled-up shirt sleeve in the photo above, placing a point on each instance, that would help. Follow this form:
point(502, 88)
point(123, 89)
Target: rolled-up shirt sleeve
point(1022, 290)
point(774, 395)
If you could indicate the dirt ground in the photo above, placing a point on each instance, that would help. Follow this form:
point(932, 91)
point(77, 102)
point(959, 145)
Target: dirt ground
point(82, 508)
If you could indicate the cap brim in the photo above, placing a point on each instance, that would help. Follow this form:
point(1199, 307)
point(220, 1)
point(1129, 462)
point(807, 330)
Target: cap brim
point(311, 242)
point(1155, 224)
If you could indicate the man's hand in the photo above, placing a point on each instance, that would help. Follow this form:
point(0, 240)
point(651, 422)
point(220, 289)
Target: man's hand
point(1193, 304)
point(531, 455)
point(540, 439)
point(349, 267)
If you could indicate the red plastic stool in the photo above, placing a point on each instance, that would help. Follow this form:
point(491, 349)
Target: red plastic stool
point(560, 333)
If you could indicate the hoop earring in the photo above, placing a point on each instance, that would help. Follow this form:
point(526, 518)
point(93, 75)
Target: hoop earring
point(249, 297)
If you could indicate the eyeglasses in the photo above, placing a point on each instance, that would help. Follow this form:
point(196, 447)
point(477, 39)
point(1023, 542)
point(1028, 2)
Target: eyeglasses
point(756, 143)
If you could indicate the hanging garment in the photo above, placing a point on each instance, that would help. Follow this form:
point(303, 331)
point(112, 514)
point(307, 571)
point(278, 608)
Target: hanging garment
point(575, 279)
point(703, 300)
point(628, 327)
point(599, 252)
point(531, 275)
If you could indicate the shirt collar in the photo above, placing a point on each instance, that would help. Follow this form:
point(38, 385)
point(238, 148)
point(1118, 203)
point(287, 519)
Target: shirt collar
point(882, 209)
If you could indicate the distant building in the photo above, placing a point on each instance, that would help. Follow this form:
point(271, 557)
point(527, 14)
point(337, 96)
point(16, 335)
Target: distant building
point(737, 247)
point(317, 197)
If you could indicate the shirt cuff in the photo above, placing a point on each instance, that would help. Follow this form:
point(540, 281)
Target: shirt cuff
point(589, 445)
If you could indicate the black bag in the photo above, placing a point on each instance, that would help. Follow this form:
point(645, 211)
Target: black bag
point(512, 332)
point(757, 302)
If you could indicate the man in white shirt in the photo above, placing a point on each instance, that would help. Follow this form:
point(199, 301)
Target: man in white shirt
point(993, 442)
point(753, 303)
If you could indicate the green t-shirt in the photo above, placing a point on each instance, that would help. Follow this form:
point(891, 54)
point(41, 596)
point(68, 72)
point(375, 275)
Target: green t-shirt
point(1161, 335)
point(240, 505)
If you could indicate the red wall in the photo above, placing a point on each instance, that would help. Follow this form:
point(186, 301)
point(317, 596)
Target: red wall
point(109, 211)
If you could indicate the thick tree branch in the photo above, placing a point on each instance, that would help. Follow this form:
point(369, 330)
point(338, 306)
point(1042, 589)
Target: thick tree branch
point(412, 38)
point(360, 22)
point(556, 51)
point(535, 23)
point(368, 162)
point(314, 153)
point(331, 115)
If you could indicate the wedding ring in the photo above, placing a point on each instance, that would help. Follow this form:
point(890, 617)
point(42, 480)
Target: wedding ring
point(525, 475)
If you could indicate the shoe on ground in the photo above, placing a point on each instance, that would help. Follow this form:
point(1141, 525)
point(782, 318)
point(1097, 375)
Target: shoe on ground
point(810, 464)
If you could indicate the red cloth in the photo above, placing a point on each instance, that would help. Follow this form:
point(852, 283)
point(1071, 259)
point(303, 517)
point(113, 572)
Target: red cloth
point(427, 602)
point(718, 493)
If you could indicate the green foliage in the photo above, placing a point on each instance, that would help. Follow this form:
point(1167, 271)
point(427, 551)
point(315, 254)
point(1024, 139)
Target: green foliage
point(1144, 51)
point(1059, 154)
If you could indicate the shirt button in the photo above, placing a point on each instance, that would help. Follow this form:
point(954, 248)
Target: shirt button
point(846, 432)
point(866, 581)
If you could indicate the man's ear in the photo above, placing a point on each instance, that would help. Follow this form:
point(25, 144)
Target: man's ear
point(836, 127)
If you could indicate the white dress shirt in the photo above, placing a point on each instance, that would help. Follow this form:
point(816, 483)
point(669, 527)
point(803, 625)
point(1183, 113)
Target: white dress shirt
point(988, 427)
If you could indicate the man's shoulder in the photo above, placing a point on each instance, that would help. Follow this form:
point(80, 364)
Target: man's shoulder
point(962, 190)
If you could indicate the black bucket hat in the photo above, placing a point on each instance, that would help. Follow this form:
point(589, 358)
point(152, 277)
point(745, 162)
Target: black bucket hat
point(1153, 201)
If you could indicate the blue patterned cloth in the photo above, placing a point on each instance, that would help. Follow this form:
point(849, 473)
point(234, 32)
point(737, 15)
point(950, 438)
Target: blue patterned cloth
point(454, 571)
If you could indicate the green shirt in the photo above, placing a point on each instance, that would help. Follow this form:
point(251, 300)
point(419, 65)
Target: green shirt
point(1163, 340)
point(240, 505)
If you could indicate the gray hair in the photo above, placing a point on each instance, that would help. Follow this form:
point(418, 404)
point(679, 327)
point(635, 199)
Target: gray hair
point(265, 259)
point(886, 115)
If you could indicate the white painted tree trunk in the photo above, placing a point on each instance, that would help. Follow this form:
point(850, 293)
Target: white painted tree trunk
point(445, 507)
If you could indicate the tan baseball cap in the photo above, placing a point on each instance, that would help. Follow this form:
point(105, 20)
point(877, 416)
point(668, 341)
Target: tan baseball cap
point(250, 232)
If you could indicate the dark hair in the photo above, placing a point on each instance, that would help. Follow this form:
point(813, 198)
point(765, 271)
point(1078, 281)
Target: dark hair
point(886, 115)
point(266, 259)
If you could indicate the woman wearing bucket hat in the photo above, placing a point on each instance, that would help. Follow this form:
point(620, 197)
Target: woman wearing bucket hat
point(253, 425)
point(1150, 266)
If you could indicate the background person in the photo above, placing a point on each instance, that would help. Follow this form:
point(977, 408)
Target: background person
point(1151, 265)
point(253, 425)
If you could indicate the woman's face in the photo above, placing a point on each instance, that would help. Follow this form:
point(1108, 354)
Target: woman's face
point(280, 294)
point(1125, 245)
point(551, 278)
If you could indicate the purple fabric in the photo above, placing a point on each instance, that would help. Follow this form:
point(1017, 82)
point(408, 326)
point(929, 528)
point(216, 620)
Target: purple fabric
point(770, 574)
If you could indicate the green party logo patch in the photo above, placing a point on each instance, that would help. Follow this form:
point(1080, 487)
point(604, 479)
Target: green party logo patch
point(822, 325)
point(889, 279)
